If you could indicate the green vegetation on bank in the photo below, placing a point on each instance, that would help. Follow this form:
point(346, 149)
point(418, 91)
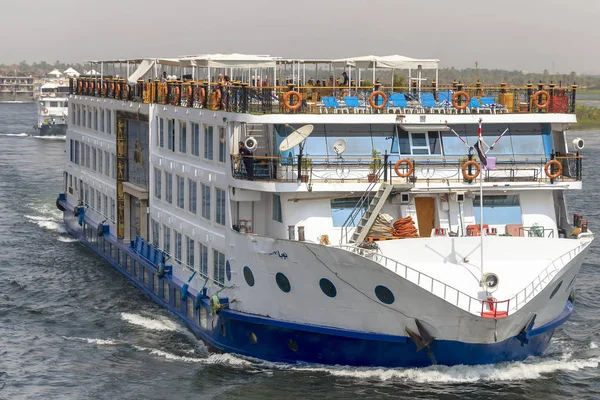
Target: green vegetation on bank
point(587, 117)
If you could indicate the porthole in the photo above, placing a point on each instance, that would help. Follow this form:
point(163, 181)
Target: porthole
point(228, 270)
point(253, 338)
point(292, 345)
point(248, 276)
point(223, 330)
point(327, 287)
point(283, 282)
point(384, 294)
point(555, 290)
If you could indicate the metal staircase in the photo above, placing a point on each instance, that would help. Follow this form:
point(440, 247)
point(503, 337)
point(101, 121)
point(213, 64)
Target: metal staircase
point(370, 215)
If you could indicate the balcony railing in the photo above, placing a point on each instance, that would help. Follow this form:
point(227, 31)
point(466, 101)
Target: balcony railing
point(427, 170)
point(378, 99)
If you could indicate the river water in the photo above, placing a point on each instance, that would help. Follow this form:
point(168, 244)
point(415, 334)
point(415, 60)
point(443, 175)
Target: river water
point(73, 328)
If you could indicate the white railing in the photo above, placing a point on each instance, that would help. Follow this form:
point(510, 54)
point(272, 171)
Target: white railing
point(461, 299)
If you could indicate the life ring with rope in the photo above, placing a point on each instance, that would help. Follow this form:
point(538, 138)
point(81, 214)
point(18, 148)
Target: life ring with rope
point(558, 167)
point(536, 99)
point(455, 98)
point(287, 97)
point(372, 100)
point(475, 174)
point(409, 165)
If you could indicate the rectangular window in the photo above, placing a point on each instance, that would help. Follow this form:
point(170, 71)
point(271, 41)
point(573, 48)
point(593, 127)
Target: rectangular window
point(498, 210)
point(95, 119)
point(177, 246)
point(277, 208)
point(208, 142)
point(107, 163)
point(155, 233)
point(219, 267)
point(203, 260)
point(169, 187)
point(114, 165)
point(102, 120)
point(220, 213)
point(105, 197)
point(192, 196)
point(157, 183)
point(73, 114)
point(82, 151)
point(182, 136)
point(113, 209)
point(419, 143)
point(87, 155)
point(167, 239)
point(161, 132)
point(92, 197)
point(99, 202)
point(109, 121)
point(342, 208)
point(166, 289)
point(195, 139)
point(206, 201)
point(100, 169)
point(93, 159)
point(180, 191)
point(89, 119)
point(83, 114)
point(171, 134)
point(76, 152)
point(190, 252)
point(222, 144)
point(86, 195)
point(72, 153)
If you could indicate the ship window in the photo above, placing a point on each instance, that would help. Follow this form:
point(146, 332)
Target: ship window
point(206, 201)
point(113, 206)
point(100, 168)
point(93, 159)
point(180, 191)
point(182, 136)
point(555, 290)
point(498, 210)
point(277, 208)
point(177, 295)
point(220, 204)
point(192, 196)
point(177, 246)
point(87, 156)
point(161, 132)
point(171, 134)
point(328, 287)
point(89, 125)
point(155, 233)
point(109, 121)
point(95, 119)
point(195, 139)
point(106, 163)
point(219, 267)
point(222, 144)
point(341, 209)
point(102, 120)
point(419, 143)
point(203, 267)
point(167, 239)
point(208, 142)
point(155, 286)
point(283, 282)
point(293, 346)
point(114, 166)
point(189, 302)
point(253, 338)
point(166, 293)
point(248, 276)
point(384, 294)
point(169, 187)
point(191, 262)
point(228, 270)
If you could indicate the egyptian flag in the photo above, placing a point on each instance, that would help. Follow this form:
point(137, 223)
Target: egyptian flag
point(479, 148)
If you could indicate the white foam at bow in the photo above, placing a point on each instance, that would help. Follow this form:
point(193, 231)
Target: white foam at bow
point(14, 134)
point(48, 223)
point(102, 342)
point(51, 137)
point(65, 239)
point(211, 359)
point(162, 324)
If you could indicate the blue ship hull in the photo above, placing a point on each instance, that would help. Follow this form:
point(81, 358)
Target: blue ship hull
point(281, 341)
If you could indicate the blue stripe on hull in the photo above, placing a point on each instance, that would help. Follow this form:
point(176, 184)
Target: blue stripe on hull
point(282, 341)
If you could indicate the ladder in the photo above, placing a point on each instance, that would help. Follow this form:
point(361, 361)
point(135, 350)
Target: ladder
point(370, 215)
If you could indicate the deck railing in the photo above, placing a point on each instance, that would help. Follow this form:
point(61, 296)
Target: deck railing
point(377, 99)
point(461, 299)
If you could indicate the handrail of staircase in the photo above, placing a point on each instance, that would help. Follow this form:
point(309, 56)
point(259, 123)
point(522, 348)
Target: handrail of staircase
point(362, 203)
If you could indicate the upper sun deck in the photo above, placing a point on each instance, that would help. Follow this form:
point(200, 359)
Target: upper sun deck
point(262, 85)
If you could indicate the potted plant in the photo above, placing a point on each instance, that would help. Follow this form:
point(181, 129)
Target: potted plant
point(306, 166)
point(374, 166)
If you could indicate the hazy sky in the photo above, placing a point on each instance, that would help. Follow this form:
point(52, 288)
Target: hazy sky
point(533, 35)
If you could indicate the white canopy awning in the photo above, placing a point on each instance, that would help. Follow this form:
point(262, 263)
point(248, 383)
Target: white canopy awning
point(234, 60)
point(389, 62)
point(55, 72)
point(142, 71)
point(71, 72)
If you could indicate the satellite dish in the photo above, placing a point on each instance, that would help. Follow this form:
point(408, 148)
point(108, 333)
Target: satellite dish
point(339, 146)
point(296, 137)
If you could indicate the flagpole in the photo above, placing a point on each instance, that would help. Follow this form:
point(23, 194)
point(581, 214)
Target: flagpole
point(483, 163)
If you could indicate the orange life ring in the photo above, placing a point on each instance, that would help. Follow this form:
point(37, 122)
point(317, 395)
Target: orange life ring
point(408, 163)
point(177, 95)
point(60, 82)
point(126, 94)
point(188, 92)
point(118, 90)
point(455, 97)
point(372, 102)
point(558, 166)
point(45, 111)
point(286, 100)
point(536, 101)
point(474, 175)
point(202, 95)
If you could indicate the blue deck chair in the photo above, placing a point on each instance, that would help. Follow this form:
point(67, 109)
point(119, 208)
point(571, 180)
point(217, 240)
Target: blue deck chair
point(429, 104)
point(445, 101)
point(488, 103)
point(399, 103)
point(331, 103)
point(474, 105)
point(354, 105)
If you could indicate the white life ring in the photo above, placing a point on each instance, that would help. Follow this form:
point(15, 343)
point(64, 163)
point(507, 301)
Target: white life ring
point(251, 143)
point(45, 111)
point(60, 82)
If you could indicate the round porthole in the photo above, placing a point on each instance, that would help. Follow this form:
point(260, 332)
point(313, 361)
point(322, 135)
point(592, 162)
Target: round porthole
point(555, 290)
point(283, 282)
point(228, 270)
point(384, 294)
point(292, 345)
point(223, 330)
point(327, 287)
point(248, 276)
point(253, 338)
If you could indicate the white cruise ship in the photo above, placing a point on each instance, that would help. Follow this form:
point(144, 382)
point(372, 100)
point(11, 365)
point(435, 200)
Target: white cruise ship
point(52, 99)
point(308, 211)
